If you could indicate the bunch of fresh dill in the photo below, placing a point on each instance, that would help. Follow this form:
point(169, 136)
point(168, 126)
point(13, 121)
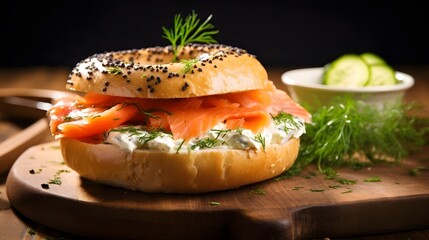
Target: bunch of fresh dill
point(347, 131)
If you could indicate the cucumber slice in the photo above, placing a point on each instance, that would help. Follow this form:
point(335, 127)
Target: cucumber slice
point(371, 58)
point(381, 75)
point(347, 70)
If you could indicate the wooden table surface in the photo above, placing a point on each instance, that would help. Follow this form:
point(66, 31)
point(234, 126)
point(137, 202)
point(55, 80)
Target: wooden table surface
point(15, 226)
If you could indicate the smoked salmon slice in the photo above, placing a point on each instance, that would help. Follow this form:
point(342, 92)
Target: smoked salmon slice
point(94, 114)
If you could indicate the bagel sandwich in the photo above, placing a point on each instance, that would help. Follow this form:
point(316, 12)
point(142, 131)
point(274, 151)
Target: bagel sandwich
point(210, 121)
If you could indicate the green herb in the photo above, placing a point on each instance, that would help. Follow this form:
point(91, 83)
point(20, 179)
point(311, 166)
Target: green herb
point(188, 64)
point(189, 30)
point(348, 131)
point(210, 142)
point(220, 132)
point(180, 146)
point(297, 188)
point(346, 181)
point(416, 171)
point(330, 173)
point(204, 143)
point(259, 138)
point(239, 130)
point(148, 136)
point(114, 70)
point(146, 113)
point(55, 180)
point(334, 186)
point(213, 203)
point(62, 171)
point(372, 179)
point(142, 136)
point(132, 130)
point(317, 190)
point(288, 120)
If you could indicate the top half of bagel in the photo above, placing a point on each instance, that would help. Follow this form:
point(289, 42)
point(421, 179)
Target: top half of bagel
point(200, 70)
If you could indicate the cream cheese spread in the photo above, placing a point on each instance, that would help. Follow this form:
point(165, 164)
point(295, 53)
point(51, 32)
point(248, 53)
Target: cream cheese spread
point(131, 138)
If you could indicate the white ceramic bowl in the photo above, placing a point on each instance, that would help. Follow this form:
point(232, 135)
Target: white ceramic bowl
point(305, 86)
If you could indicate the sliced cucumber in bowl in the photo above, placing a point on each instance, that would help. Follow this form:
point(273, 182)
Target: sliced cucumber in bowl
point(372, 58)
point(353, 70)
point(381, 75)
point(347, 70)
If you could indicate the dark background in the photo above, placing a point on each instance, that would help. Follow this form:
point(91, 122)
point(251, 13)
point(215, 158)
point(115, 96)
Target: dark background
point(286, 33)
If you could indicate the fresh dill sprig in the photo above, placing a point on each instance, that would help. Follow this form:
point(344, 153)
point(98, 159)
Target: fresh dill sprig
point(372, 179)
point(142, 136)
point(55, 180)
point(239, 130)
point(259, 138)
point(287, 119)
point(220, 132)
point(204, 143)
point(210, 142)
point(146, 113)
point(149, 136)
point(180, 146)
point(189, 30)
point(348, 131)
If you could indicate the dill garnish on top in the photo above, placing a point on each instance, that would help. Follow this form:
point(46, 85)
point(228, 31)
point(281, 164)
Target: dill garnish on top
point(189, 30)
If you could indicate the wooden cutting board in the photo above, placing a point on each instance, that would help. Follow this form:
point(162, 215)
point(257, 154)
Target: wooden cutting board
point(301, 207)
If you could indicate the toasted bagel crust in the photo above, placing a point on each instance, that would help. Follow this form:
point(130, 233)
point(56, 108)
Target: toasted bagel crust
point(150, 72)
point(190, 172)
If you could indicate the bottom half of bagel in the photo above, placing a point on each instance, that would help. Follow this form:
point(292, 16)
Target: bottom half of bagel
point(190, 172)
